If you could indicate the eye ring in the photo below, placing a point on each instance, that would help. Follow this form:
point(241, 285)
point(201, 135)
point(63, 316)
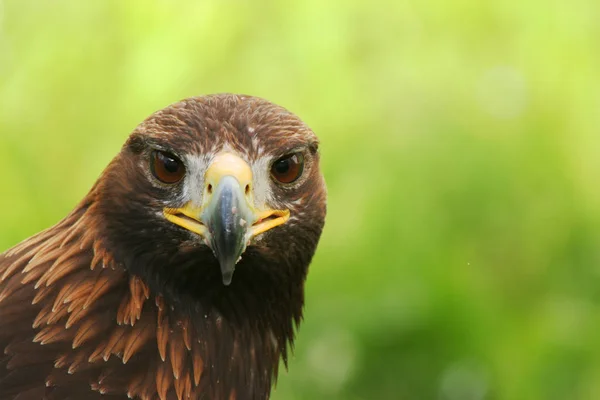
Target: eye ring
point(288, 169)
point(166, 167)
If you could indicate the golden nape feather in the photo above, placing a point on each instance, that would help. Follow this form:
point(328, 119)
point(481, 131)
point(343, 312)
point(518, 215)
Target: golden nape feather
point(85, 309)
point(126, 298)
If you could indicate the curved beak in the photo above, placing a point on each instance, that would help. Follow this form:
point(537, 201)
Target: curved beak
point(227, 218)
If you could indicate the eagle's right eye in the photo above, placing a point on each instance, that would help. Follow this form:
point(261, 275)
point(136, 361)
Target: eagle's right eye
point(166, 167)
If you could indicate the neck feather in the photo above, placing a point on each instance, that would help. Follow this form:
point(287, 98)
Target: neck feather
point(105, 320)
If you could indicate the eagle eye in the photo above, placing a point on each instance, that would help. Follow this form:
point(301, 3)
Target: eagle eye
point(166, 167)
point(288, 168)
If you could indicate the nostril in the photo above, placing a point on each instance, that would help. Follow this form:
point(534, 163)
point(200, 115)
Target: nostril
point(248, 189)
point(209, 188)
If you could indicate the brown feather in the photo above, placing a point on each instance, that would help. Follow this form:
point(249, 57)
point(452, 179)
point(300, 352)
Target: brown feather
point(123, 311)
point(77, 364)
point(177, 355)
point(79, 290)
point(51, 334)
point(41, 294)
point(187, 333)
point(77, 312)
point(34, 274)
point(164, 380)
point(10, 287)
point(139, 292)
point(102, 285)
point(57, 315)
point(59, 301)
point(89, 329)
point(179, 388)
point(62, 269)
point(137, 338)
point(42, 316)
point(135, 387)
point(98, 353)
point(62, 361)
point(162, 331)
point(45, 255)
point(12, 268)
point(115, 343)
point(198, 364)
point(99, 256)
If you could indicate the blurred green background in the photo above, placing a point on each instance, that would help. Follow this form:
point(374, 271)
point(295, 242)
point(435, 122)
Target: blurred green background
point(461, 256)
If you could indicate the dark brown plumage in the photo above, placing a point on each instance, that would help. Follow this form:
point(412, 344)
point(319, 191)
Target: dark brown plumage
point(131, 296)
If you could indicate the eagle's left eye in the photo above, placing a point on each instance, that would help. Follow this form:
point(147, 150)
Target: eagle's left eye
point(288, 168)
point(166, 167)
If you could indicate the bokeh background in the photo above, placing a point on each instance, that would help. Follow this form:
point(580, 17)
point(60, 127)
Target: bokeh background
point(461, 256)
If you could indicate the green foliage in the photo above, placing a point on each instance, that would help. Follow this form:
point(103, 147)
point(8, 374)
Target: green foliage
point(461, 256)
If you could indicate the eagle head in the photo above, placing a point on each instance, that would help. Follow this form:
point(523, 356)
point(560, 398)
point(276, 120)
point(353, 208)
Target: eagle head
point(213, 185)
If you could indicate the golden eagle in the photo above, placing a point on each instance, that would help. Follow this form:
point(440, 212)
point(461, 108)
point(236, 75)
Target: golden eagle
point(133, 294)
